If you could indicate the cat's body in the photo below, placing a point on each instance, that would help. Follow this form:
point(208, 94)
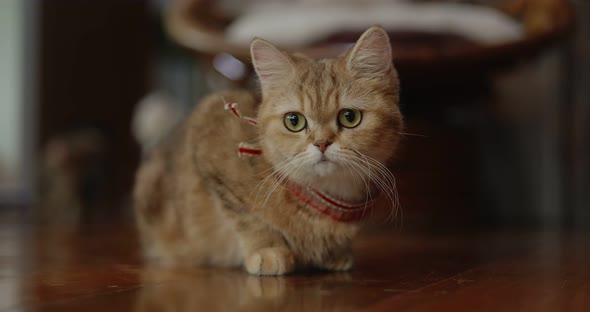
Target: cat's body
point(197, 202)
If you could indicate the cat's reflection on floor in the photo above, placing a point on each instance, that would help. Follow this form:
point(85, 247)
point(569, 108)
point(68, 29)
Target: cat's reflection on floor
point(231, 290)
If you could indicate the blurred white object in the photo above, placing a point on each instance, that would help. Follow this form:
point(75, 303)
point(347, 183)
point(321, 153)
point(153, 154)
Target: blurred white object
point(238, 7)
point(155, 116)
point(293, 24)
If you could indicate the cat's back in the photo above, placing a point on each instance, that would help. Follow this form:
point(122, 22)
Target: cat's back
point(213, 135)
point(200, 154)
point(211, 121)
point(175, 181)
point(210, 134)
point(205, 143)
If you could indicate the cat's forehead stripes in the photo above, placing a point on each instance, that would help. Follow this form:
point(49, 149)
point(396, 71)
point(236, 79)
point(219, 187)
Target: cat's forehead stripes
point(318, 91)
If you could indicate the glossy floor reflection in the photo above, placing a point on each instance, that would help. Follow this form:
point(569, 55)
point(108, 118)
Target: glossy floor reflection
point(97, 268)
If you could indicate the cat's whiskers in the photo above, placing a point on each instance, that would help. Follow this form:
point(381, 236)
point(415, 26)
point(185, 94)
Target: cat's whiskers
point(296, 165)
point(347, 162)
point(286, 168)
point(259, 186)
point(276, 169)
point(370, 179)
point(363, 166)
point(344, 162)
point(365, 171)
point(386, 183)
point(383, 170)
point(412, 134)
point(384, 179)
point(389, 175)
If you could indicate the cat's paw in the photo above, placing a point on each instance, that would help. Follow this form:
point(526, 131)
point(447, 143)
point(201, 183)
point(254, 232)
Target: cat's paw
point(271, 261)
point(342, 263)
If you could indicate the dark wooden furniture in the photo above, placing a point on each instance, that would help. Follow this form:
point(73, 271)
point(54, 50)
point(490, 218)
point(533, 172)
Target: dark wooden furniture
point(93, 69)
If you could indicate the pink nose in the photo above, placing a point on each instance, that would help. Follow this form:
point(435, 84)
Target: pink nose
point(322, 145)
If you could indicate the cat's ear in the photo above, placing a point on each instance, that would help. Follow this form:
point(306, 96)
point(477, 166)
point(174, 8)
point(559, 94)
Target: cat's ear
point(371, 55)
point(270, 64)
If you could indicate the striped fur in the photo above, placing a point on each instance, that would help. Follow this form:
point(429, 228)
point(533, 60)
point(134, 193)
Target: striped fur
point(197, 203)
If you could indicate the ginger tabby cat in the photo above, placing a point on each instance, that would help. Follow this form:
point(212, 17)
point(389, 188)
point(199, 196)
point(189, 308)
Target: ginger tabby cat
point(326, 129)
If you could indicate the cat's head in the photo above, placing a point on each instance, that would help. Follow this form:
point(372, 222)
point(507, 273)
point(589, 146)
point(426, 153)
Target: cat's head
point(325, 119)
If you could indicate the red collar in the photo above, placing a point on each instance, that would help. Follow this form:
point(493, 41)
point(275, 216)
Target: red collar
point(336, 209)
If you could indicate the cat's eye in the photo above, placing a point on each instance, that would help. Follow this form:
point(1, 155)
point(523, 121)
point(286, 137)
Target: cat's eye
point(295, 122)
point(349, 118)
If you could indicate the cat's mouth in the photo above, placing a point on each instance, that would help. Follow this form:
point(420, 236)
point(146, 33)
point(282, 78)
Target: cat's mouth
point(324, 166)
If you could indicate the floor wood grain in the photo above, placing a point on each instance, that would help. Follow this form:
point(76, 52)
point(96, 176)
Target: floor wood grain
point(96, 267)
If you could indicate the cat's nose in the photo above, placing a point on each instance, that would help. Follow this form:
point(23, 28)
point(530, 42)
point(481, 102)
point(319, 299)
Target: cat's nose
point(322, 145)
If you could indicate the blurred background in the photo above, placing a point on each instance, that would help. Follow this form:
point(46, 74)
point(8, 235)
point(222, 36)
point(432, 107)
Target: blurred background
point(495, 93)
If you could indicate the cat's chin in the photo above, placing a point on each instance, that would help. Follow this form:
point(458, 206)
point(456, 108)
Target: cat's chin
point(340, 186)
point(324, 168)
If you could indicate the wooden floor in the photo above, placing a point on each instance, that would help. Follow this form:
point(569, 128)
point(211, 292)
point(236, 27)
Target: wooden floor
point(97, 268)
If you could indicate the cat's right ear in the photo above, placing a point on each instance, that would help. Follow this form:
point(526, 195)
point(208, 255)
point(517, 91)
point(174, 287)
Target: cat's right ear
point(270, 64)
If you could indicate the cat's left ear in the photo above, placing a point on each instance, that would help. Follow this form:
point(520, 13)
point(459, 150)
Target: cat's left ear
point(371, 55)
point(270, 64)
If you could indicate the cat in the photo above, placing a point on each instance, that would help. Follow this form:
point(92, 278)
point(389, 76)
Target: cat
point(325, 130)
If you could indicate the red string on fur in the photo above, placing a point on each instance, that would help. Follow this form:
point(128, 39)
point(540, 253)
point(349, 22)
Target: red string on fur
point(233, 107)
point(243, 148)
point(248, 150)
point(251, 121)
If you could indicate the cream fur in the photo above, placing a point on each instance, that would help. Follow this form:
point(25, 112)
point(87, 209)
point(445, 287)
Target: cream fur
point(198, 203)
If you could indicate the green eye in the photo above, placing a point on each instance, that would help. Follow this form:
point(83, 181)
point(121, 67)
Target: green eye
point(349, 118)
point(295, 122)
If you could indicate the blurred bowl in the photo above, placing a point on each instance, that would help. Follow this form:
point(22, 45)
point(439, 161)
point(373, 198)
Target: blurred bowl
point(423, 59)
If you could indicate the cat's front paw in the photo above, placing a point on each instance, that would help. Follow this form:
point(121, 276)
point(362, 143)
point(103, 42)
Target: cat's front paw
point(271, 261)
point(343, 262)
